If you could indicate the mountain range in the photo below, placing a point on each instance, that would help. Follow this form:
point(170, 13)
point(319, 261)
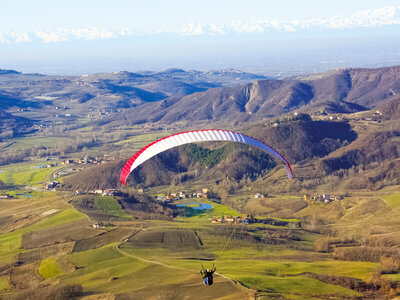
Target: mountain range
point(175, 94)
point(338, 91)
point(113, 90)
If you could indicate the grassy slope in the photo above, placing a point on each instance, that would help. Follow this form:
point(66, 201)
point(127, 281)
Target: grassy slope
point(283, 277)
point(49, 268)
point(4, 283)
point(106, 270)
point(271, 269)
point(32, 140)
point(111, 270)
point(218, 210)
point(392, 200)
point(109, 205)
point(251, 264)
point(142, 139)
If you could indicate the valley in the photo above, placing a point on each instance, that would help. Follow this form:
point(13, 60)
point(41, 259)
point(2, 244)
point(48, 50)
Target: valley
point(69, 228)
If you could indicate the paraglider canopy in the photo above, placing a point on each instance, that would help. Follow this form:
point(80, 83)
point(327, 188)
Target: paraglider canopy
point(187, 137)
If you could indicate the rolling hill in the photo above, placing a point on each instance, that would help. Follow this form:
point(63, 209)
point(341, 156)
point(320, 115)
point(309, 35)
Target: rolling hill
point(64, 99)
point(12, 126)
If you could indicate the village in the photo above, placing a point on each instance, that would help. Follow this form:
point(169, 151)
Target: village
point(6, 196)
point(106, 192)
point(322, 198)
point(253, 220)
point(205, 193)
point(232, 220)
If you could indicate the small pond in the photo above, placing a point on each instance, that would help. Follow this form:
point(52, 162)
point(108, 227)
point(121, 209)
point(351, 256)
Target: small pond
point(197, 205)
point(40, 166)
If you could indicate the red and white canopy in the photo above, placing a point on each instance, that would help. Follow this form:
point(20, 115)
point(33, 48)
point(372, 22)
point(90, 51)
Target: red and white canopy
point(187, 137)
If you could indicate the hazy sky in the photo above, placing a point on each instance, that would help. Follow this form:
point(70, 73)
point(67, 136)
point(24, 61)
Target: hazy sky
point(86, 36)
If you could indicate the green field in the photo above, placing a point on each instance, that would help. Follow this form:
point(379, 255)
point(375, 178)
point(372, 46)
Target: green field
point(394, 277)
point(31, 141)
point(271, 269)
point(284, 277)
point(49, 268)
point(392, 200)
point(142, 139)
point(17, 194)
point(4, 283)
point(298, 285)
point(26, 174)
point(107, 270)
point(109, 205)
point(218, 210)
point(167, 254)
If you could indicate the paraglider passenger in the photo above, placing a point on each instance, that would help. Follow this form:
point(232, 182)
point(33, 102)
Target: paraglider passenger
point(207, 275)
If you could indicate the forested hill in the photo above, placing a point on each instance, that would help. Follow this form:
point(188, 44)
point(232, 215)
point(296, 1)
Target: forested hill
point(211, 161)
point(299, 139)
point(368, 154)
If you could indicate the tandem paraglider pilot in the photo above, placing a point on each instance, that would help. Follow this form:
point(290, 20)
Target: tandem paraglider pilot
point(207, 275)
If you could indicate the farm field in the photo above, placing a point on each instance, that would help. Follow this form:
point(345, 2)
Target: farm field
point(49, 268)
point(109, 205)
point(283, 275)
point(170, 259)
point(56, 245)
point(27, 173)
point(4, 283)
point(10, 243)
point(32, 140)
point(138, 140)
point(217, 210)
point(392, 200)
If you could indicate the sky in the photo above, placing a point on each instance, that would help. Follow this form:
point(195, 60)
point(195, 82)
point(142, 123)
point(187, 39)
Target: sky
point(264, 36)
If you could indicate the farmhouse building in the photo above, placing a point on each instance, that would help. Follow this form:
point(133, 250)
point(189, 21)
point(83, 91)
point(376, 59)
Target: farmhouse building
point(5, 196)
